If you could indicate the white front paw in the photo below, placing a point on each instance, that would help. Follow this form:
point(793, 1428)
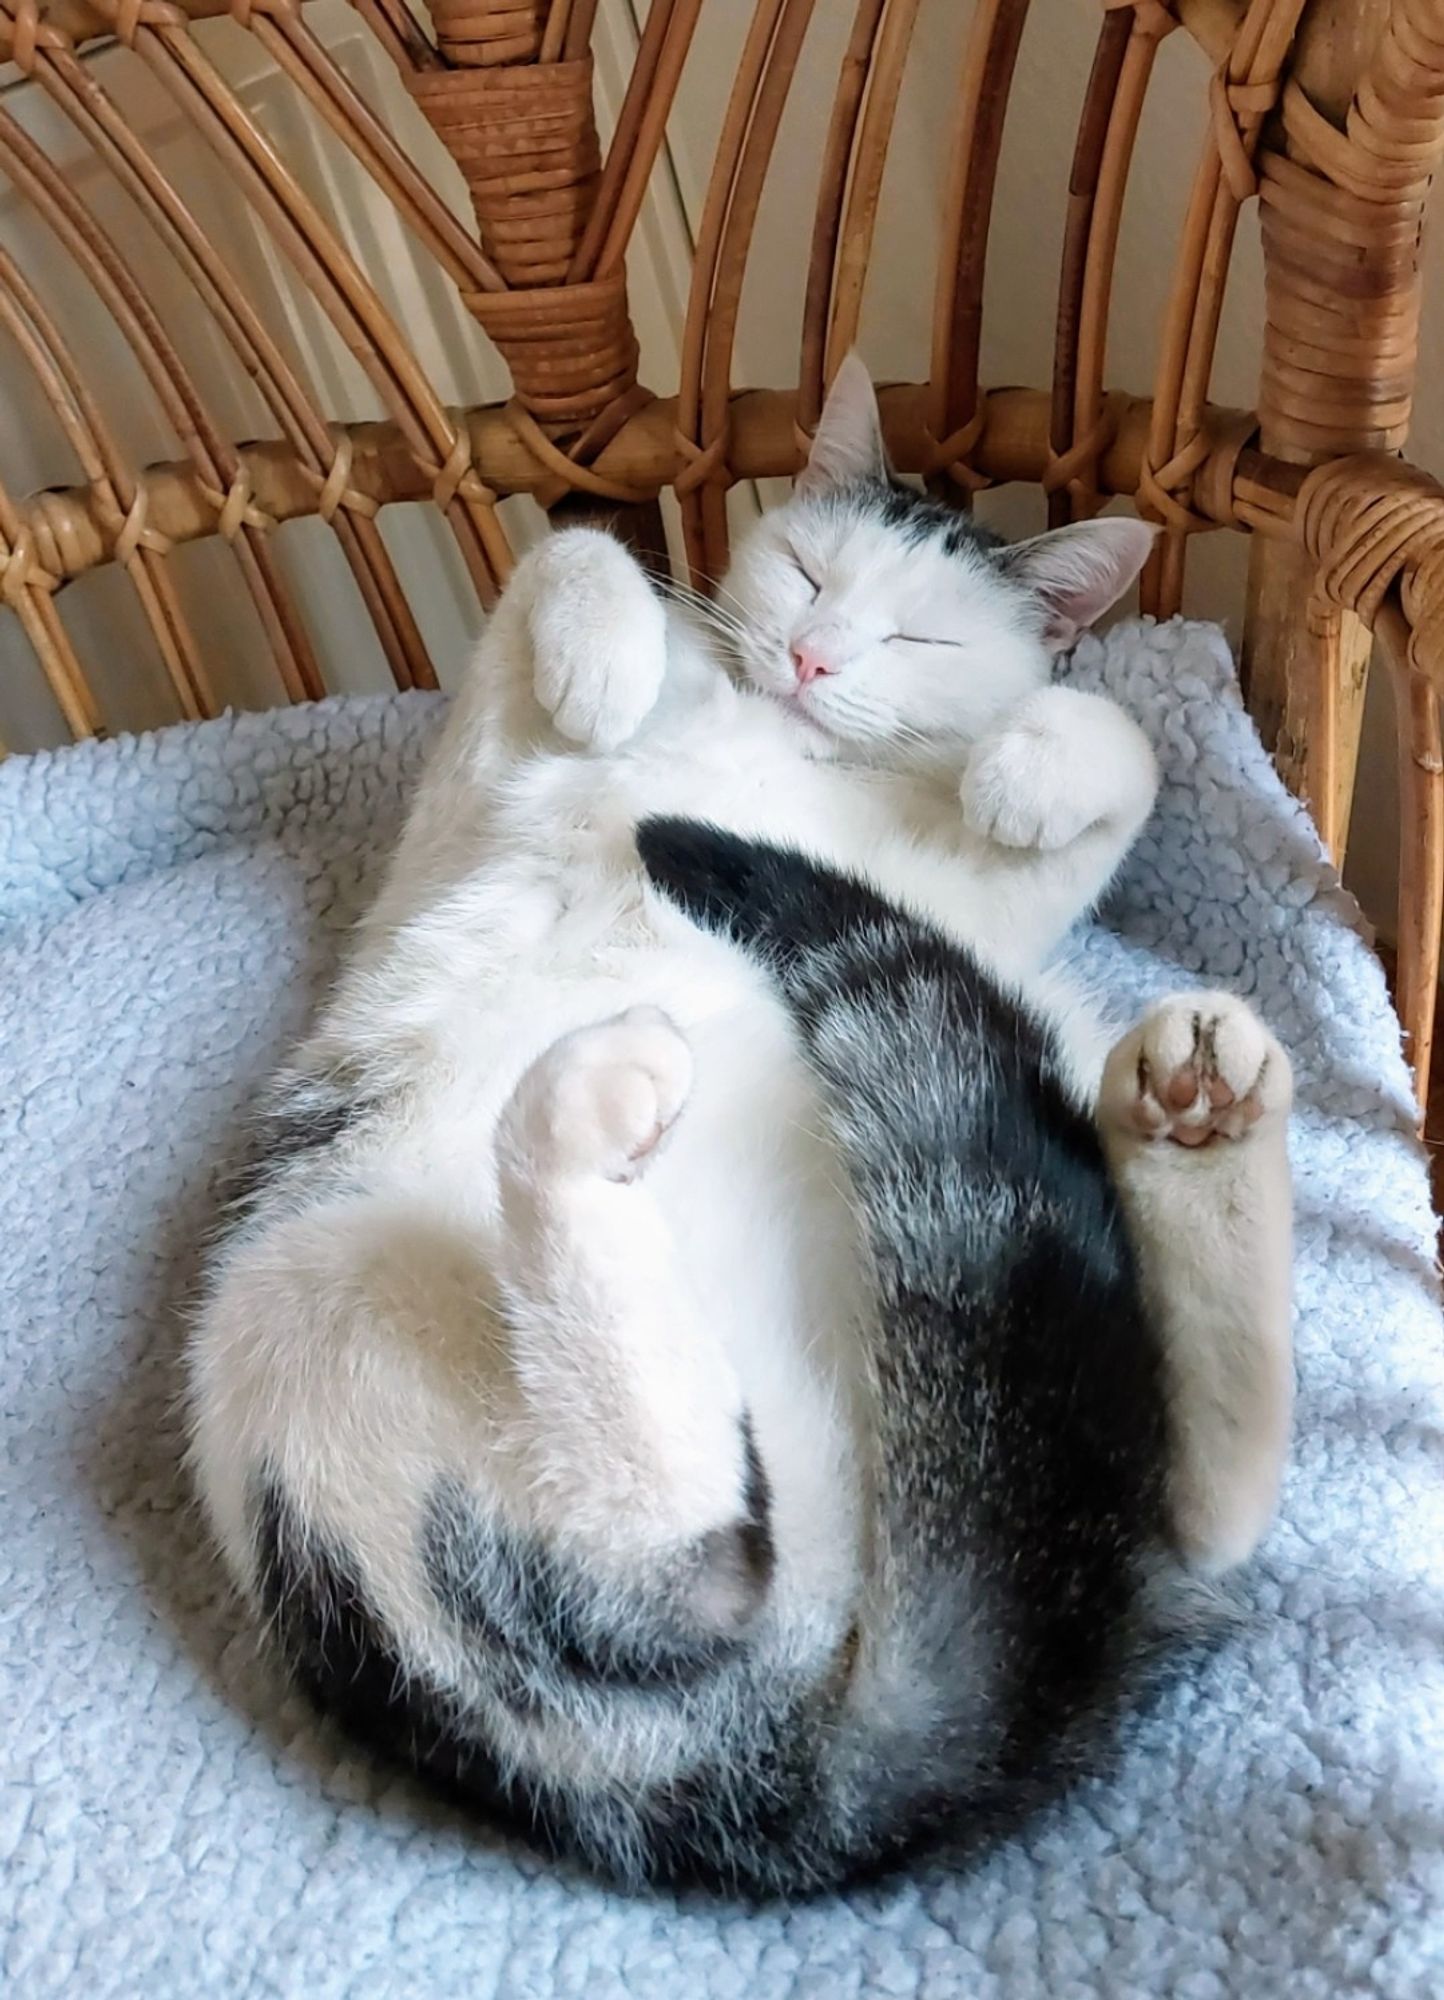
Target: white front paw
point(1060, 763)
point(1020, 787)
point(599, 639)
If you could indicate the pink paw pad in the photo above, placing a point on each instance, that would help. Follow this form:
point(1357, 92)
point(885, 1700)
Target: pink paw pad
point(1206, 1070)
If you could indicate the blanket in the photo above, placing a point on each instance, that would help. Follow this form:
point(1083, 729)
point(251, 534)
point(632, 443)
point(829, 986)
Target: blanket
point(174, 1822)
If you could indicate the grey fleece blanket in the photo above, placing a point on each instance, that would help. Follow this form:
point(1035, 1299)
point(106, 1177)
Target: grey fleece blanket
point(173, 1823)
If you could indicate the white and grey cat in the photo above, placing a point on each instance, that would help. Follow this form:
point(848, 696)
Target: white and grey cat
point(754, 1506)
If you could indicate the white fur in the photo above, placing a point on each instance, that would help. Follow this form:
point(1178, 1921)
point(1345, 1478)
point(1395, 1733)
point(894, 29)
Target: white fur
point(1193, 1111)
point(502, 1275)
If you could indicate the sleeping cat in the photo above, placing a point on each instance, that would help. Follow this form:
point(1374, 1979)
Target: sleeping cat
point(718, 1370)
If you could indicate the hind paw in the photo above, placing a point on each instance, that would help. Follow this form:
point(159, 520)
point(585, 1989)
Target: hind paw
point(1198, 1067)
point(601, 1100)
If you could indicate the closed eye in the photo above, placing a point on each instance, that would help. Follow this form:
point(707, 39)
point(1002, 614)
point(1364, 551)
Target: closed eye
point(806, 574)
point(918, 639)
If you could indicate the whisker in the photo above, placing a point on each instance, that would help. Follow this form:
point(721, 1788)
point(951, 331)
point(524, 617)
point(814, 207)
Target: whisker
point(740, 618)
point(731, 597)
point(702, 608)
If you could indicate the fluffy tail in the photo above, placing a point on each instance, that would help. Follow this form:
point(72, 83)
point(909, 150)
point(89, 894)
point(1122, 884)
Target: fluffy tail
point(934, 1072)
point(1020, 1574)
point(768, 899)
point(982, 1185)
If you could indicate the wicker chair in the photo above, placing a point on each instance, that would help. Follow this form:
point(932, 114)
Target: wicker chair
point(1330, 112)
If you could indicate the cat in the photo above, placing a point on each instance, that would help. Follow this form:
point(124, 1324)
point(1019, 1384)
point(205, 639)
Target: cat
point(754, 1494)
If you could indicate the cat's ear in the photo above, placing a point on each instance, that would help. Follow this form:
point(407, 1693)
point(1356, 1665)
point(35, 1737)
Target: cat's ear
point(848, 446)
point(1079, 572)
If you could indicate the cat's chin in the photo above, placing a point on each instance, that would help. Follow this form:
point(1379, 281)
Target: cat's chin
point(818, 740)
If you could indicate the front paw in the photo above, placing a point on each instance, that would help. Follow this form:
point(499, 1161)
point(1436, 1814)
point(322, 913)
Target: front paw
point(1020, 787)
point(1060, 763)
point(599, 640)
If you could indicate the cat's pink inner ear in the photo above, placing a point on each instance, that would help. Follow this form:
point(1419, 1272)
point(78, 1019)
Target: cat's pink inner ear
point(1080, 572)
point(848, 446)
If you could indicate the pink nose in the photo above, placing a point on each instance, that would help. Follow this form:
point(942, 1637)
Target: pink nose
point(808, 663)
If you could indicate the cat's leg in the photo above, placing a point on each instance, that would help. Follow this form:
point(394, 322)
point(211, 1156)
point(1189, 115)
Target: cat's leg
point(578, 640)
point(1193, 1114)
point(598, 637)
point(636, 1445)
point(1053, 799)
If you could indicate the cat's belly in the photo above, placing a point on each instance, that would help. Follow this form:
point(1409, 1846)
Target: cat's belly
point(570, 820)
point(754, 1193)
point(759, 1206)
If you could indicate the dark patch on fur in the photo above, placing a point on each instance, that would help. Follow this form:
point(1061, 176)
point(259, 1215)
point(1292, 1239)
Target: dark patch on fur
point(919, 518)
point(544, 1619)
point(304, 1116)
point(338, 1648)
point(731, 1570)
point(340, 1651)
point(755, 1529)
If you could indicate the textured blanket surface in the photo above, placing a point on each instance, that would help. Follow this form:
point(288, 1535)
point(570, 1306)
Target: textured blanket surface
point(173, 1823)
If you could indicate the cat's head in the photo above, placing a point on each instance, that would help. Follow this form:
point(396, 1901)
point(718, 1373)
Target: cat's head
point(892, 621)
